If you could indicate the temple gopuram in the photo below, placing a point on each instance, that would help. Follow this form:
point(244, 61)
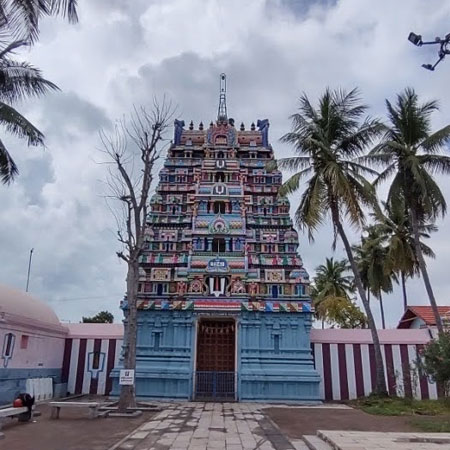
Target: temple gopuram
point(223, 309)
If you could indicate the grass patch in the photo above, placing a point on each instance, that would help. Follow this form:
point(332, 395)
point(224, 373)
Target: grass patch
point(440, 424)
point(396, 406)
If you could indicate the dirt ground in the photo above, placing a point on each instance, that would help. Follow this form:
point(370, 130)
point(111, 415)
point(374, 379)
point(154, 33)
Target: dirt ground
point(295, 422)
point(73, 431)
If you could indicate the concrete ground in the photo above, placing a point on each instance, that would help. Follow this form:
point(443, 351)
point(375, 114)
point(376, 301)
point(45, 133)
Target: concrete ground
point(214, 426)
point(73, 431)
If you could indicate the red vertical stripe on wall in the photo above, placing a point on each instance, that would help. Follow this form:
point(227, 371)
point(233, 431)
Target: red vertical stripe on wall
point(94, 381)
point(80, 367)
point(373, 371)
point(110, 365)
point(407, 386)
point(359, 374)
point(66, 360)
point(390, 369)
point(327, 376)
point(343, 372)
point(424, 392)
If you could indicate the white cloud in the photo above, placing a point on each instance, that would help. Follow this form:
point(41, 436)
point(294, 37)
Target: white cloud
point(122, 53)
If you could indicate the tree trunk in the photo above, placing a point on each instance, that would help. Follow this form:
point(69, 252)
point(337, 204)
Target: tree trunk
point(127, 397)
point(380, 383)
point(405, 298)
point(368, 296)
point(424, 272)
point(383, 323)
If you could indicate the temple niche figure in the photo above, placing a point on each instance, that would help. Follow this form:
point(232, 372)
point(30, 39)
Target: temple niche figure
point(222, 274)
point(178, 130)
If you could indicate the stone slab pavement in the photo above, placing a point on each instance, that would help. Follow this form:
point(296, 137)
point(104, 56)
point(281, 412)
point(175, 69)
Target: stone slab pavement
point(205, 426)
point(358, 440)
point(245, 426)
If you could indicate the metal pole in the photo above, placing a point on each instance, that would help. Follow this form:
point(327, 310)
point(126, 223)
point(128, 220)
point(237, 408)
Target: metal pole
point(29, 268)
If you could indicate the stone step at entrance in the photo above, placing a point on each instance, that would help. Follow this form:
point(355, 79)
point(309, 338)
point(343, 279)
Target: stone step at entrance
point(316, 443)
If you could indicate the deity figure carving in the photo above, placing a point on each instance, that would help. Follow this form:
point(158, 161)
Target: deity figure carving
point(178, 131)
point(238, 287)
point(181, 287)
point(263, 126)
point(253, 288)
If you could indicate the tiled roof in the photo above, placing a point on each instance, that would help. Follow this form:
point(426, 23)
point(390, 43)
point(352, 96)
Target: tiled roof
point(423, 312)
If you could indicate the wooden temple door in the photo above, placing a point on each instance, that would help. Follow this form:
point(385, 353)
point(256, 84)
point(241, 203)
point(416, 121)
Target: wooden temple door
point(216, 354)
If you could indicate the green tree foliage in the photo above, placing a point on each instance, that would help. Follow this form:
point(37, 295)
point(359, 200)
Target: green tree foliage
point(410, 154)
point(20, 19)
point(328, 140)
point(395, 227)
point(101, 317)
point(19, 27)
point(18, 81)
point(436, 360)
point(331, 295)
point(372, 262)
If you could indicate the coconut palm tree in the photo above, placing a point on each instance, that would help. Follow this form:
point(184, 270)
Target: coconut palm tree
point(328, 139)
point(395, 227)
point(331, 295)
point(410, 153)
point(373, 259)
point(18, 81)
point(20, 19)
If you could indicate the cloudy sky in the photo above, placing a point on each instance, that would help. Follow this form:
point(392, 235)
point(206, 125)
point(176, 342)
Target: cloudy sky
point(123, 53)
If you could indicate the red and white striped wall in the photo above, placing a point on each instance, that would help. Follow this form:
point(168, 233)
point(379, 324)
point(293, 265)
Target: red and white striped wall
point(344, 359)
point(90, 353)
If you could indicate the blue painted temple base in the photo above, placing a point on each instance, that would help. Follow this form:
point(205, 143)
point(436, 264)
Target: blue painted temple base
point(273, 356)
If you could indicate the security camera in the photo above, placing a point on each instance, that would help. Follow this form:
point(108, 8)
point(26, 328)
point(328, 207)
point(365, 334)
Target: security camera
point(415, 39)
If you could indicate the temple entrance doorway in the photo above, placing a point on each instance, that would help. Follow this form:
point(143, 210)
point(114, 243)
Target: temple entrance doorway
point(215, 377)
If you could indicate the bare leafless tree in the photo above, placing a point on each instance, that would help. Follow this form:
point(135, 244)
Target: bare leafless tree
point(132, 150)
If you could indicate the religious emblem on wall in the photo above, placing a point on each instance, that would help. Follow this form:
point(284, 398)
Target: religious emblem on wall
point(219, 189)
point(219, 226)
point(196, 286)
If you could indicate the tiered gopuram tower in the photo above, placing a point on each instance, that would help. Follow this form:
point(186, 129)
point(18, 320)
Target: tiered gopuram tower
point(224, 311)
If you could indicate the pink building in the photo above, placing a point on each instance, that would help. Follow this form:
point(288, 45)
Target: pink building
point(32, 343)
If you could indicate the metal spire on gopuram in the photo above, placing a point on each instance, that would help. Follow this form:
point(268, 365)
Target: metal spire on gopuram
point(222, 112)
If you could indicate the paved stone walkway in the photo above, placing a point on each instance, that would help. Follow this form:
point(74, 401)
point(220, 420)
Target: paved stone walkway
point(245, 426)
point(205, 426)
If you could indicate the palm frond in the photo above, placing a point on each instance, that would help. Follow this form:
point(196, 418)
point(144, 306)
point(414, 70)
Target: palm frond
point(293, 163)
point(434, 142)
point(18, 125)
point(20, 80)
point(8, 168)
point(11, 47)
point(65, 8)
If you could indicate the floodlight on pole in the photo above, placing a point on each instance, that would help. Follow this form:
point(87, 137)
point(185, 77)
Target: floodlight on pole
point(444, 50)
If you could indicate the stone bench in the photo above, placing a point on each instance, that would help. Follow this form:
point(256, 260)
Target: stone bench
point(92, 406)
point(10, 413)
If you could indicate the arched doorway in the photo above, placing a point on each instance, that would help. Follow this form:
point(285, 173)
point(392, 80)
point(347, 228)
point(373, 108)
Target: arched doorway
point(216, 357)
